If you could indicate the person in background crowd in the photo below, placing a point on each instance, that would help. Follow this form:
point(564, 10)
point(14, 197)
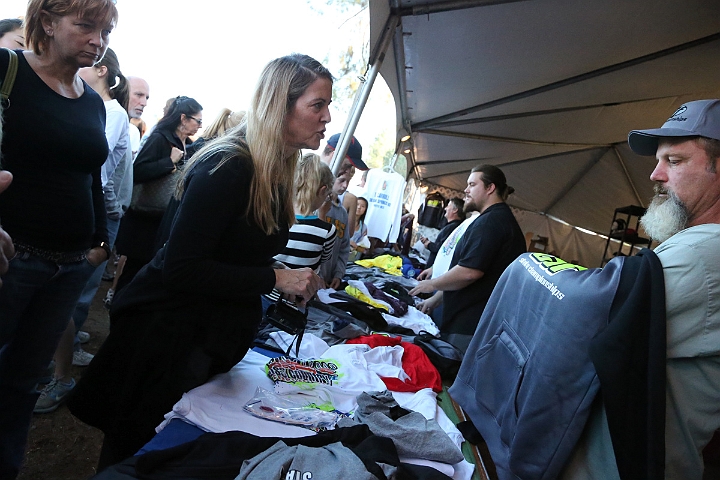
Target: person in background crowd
point(163, 153)
point(168, 103)
point(335, 214)
point(361, 229)
point(140, 124)
point(488, 246)
point(685, 217)
point(54, 143)
point(352, 160)
point(454, 215)
point(139, 96)
point(11, 34)
point(122, 186)
point(193, 311)
point(106, 79)
point(226, 120)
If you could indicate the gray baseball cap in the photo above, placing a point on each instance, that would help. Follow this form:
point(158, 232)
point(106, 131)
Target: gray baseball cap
point(698, 118)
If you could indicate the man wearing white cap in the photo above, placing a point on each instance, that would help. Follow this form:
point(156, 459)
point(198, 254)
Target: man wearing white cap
point(685, 217)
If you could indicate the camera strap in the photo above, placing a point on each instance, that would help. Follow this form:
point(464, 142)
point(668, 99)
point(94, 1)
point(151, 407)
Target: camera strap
point(296, 341)
point(290, 319)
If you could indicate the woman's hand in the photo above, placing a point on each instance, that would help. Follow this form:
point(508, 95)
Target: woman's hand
point(303, 283)
point(176, 155)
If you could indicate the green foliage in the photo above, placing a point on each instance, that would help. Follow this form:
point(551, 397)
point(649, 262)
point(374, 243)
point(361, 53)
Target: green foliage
point(348, 62)
point(380, 152)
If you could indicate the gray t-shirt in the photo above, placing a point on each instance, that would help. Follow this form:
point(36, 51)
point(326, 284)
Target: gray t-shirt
point(301, 462)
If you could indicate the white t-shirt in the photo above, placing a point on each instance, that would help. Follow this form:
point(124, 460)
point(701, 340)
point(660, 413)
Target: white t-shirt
point(134, 140)
point(445, 254)
point(384, 195)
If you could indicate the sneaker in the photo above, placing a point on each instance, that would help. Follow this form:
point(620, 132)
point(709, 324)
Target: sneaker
point(107, 301)
point(83, 337)
point(81, 358)
point(52, 396)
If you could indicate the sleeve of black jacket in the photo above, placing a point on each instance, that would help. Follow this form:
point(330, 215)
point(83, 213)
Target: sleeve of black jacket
point(629, 356)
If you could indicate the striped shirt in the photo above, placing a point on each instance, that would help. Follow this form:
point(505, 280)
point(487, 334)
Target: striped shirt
point(310, 243)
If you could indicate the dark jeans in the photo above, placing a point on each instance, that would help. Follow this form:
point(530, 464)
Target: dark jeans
point(37, 299)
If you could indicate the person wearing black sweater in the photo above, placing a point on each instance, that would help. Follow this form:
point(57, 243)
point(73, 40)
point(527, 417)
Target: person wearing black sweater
point(193, 311)
point(163, 154)
point(54, 144)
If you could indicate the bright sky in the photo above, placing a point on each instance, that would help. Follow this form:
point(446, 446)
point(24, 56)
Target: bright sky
point(214, 51)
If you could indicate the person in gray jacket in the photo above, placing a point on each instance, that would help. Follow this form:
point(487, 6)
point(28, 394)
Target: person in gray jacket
point(685, 217)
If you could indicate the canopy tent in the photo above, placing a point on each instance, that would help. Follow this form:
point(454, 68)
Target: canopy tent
point(546, 89)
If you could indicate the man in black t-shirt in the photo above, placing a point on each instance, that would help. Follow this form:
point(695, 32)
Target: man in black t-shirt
point(488, 246)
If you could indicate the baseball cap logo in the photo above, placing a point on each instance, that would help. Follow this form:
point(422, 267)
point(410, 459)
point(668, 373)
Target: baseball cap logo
point(677, 116)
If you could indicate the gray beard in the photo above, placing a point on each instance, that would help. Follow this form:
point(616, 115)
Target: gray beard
point(665, 217)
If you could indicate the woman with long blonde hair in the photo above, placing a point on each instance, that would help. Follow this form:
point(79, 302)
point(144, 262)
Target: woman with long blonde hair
point(201, 293)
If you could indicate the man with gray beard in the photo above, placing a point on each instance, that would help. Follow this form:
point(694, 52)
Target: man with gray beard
point(685, 217)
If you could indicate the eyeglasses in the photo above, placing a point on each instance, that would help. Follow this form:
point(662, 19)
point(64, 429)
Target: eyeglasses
point(199, 122)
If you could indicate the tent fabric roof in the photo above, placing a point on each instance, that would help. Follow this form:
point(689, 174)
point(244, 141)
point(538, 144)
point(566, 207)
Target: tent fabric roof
point(547, 90)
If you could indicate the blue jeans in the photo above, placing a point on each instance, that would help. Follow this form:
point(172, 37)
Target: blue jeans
point(36, 300)
point(86, 297)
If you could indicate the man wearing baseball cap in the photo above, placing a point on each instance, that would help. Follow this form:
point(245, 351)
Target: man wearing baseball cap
point(685, 217)
point(352, 160)
point(340, 208)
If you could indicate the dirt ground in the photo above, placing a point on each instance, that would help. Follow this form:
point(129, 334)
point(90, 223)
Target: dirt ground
point(60, 447)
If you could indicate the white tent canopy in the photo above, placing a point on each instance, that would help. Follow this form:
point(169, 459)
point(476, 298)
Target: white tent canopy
point(546, 89)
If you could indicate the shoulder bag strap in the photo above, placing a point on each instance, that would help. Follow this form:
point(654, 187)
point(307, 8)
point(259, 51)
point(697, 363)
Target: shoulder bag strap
point(9, 80)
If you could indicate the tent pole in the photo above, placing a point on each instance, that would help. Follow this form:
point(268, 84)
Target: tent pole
point(376, 61)
point(627, 175)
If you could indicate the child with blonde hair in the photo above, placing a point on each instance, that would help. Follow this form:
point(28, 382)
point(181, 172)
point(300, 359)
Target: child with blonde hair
point(311, 239)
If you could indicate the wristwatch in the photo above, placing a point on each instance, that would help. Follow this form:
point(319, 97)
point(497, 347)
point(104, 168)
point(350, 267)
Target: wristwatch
point(106, 247)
